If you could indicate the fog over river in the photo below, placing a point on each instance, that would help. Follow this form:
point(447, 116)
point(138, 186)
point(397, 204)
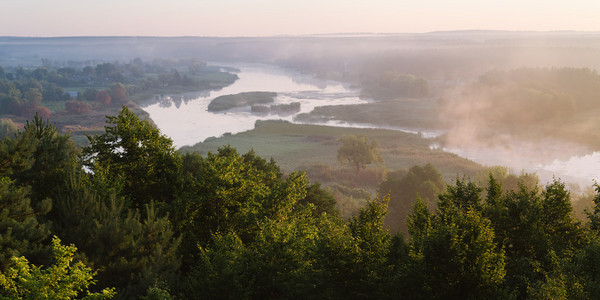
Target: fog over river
point(186, 119)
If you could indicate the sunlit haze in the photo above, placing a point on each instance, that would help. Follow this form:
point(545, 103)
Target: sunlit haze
point(276, 17)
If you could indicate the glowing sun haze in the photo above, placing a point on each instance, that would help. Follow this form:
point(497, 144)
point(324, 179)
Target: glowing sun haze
point(283, 17)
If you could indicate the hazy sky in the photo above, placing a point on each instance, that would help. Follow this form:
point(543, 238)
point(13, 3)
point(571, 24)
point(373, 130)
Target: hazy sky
point(278, 17)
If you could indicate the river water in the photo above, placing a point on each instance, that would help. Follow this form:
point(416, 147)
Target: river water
point(548, 158)
point(186, 120)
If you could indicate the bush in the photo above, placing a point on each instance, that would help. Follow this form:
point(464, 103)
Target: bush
point(77, 107)
point(28, 111)
point(103, 97)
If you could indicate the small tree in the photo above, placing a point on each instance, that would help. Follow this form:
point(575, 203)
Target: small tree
point(103, 97)
point(358, 152)
point(118, 94)
point(77, 107)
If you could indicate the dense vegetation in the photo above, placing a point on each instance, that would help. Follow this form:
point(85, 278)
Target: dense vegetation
point(391, 85)
point(280, 109)
point(77, 96)
point(156, 224)
point(313, 149)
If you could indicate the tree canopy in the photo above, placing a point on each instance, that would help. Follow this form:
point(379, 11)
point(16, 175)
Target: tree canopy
point(358, 152)
point(151, 223)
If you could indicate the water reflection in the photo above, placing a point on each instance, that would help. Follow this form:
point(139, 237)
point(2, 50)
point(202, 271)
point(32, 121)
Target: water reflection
point(586, 167)
point(187, 121)
point(548, 158)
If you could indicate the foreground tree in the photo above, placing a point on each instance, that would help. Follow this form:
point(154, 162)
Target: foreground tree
point(226, 192)
point(62, 280)
point(454, 252)
point(137, 155)
point(20, 232)
point(133, 250)
point(52, 155)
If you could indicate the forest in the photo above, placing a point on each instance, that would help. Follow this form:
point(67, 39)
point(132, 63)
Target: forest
point(128, 217)
point(97, 203)
point(77, 95)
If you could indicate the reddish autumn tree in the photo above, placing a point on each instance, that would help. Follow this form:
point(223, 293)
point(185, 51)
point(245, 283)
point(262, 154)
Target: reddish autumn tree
point(103, 97)
point(118, 93)
point(77, 107)
point(29, 111)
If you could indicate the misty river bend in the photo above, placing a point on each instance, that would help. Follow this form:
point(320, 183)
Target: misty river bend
point(190, 122)
point(187, 121)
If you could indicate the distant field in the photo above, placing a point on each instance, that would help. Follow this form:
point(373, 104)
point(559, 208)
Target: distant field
point(405, 112)
point(313, 149)
point(295, 146)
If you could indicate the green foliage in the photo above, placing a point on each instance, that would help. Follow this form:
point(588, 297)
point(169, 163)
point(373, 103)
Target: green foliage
point(20, 232)
point(16, 154)
point(358, 152)
point(32, 167)
point(52, 155)
point(564, 231)
point(131, 252)
point(461, 258)
point(508, 181)
point(373, 242)
point(135, 153)
point(64, 279)
point(298, 256)
point(322, 200)
point(89, 94)
point(537, 231)
point(594, 214)
point(159, 225)
point(404, 187)
point(585, 266)
point(157, 293)
point(419, 225)
point(454, 252)
point(392, 84)
point(226, 192)
point(462, 197)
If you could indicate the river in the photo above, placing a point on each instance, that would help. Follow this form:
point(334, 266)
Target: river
point(187, 121)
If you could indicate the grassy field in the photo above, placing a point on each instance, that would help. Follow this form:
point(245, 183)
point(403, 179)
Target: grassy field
point(404, 112)
point(294, 146)
point(313, 149)
point(78, 125)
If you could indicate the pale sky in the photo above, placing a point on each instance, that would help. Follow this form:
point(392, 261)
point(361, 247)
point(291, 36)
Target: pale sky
point(288, 17)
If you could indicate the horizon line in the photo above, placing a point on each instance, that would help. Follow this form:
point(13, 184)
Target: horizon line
point(333, 34)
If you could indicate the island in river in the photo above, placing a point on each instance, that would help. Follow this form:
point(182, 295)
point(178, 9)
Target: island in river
point(226, 102)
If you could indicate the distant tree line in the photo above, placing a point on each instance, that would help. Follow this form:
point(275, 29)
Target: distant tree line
point(23, 92)
point(143, 221)
point(391, 85)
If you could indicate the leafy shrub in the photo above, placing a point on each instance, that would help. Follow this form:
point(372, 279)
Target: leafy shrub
point(77, 107)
